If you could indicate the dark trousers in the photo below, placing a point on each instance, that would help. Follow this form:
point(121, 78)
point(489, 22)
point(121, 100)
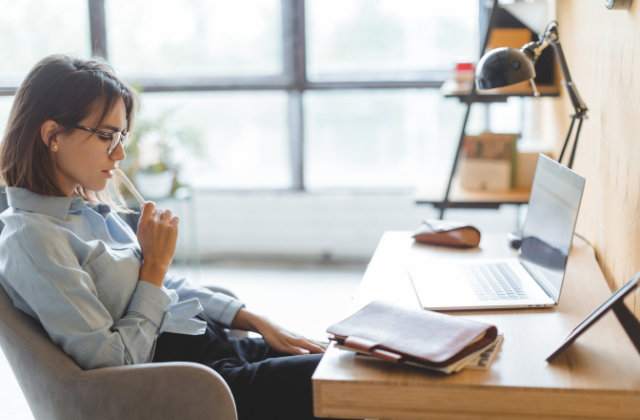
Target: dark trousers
point(265, 384)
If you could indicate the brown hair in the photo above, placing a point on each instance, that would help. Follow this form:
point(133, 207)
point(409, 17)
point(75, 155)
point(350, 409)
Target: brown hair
point(66, 90)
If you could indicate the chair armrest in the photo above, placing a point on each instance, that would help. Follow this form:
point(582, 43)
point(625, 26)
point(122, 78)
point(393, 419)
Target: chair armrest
point(175, 390)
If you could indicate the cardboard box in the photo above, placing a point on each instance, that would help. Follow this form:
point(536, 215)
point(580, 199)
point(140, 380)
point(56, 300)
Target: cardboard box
point(486, 175)
point(489, 162)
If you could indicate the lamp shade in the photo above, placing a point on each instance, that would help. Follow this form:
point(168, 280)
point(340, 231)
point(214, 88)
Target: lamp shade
point(502, 67)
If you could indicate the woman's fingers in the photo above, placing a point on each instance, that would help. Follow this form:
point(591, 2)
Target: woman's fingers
point(309, 346)
point(320, 345)
point(288, 342)
point(166, 217)
point(312, 346)
point(315, 347)
point(157, 214)
point(156, 234)
point(147, 211)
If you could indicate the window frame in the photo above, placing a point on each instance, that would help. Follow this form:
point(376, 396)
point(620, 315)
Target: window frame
point(293, 80)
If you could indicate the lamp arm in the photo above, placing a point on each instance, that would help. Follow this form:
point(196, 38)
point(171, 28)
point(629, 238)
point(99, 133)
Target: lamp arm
point(574, 95)
point(535, 48)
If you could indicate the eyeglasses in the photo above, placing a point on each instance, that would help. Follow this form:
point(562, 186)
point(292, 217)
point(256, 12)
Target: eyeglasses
point(114, 138)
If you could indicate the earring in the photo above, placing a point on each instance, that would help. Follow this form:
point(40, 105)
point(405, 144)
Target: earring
point(55, 147)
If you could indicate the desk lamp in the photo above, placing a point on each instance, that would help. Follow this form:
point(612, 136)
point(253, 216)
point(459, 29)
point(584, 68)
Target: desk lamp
point(507, 66)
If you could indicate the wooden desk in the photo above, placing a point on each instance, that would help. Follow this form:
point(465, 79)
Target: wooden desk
point(597, 377)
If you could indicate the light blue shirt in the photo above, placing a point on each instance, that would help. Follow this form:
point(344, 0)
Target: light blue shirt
point(74, 266)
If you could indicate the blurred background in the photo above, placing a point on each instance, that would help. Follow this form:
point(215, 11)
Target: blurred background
point(287, 134)
point(301, 127)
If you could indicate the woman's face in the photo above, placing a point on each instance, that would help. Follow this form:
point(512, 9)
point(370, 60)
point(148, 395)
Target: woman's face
point(82, 157)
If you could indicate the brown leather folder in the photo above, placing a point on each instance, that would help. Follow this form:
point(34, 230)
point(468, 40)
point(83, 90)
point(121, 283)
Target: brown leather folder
point(441, 232)
point(397, 334)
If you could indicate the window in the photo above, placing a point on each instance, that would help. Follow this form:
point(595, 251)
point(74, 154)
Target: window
point(394, 38)
point(33, 29)
point(240, 137)
point(281, 94)
point(194, 38)
point(378, 138)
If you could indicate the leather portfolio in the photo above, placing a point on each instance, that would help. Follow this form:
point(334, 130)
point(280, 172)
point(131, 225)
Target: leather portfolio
point(426, 338)
point(441, 232)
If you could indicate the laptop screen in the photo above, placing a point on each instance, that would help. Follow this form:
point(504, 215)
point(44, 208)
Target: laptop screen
point(551, 219)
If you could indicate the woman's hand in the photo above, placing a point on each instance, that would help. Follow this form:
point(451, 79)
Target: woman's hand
point(289, 342)
point(276, 337)
point(157, 235)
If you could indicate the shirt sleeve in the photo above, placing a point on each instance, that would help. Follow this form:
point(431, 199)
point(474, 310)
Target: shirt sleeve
point(40, 265)
point(217, 306)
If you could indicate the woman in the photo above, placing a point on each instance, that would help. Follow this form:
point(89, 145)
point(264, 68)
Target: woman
point(102, 292)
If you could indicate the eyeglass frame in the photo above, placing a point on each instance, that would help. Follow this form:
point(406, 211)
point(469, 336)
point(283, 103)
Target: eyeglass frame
point(117, 137)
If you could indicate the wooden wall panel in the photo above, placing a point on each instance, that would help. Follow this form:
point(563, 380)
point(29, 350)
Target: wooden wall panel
point(603, 53)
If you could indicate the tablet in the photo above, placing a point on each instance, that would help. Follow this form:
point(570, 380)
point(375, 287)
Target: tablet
point(616, 298)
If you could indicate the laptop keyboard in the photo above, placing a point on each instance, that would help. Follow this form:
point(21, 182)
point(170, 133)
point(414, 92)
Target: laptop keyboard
point(494, 282)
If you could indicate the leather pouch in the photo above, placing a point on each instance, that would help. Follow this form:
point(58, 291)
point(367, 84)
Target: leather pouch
point(453, 234)
point(397, 334)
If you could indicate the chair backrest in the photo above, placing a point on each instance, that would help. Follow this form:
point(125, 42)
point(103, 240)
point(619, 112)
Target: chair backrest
point(45, 373)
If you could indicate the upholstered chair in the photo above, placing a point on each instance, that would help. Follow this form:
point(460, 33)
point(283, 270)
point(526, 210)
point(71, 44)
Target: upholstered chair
point(55, 387)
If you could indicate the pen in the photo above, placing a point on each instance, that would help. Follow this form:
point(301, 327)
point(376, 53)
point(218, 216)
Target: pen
point(129, 186)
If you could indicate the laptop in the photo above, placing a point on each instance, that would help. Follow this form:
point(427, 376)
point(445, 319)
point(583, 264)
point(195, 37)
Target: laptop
point(533, 279)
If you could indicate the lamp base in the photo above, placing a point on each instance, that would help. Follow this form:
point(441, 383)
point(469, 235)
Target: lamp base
point(515, 239)
point(618, 4)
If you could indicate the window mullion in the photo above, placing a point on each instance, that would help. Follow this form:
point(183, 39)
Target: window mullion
point(300, 44)
point(296, 136)
point(98, 28)
point(288, 35)
point(295, 67)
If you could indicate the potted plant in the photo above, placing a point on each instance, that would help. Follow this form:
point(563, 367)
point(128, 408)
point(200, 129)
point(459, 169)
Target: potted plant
point(152, 152)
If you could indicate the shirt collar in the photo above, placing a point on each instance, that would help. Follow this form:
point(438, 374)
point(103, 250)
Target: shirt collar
point(57, 207)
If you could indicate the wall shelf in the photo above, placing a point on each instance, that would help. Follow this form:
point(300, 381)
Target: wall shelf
point(496, 95)
point(451, 195)
point(461, 198)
